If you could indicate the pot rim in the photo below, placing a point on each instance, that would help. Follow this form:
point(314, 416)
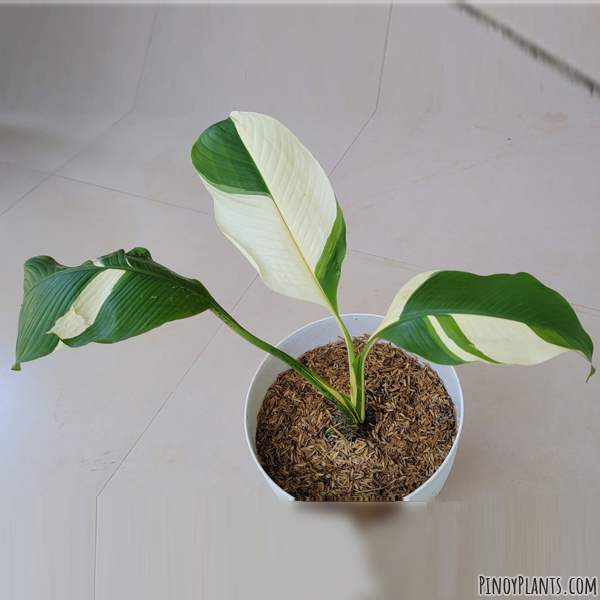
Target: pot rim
point(251, 445)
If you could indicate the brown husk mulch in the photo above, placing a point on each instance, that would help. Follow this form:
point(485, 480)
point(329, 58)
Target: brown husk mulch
point(305, 446)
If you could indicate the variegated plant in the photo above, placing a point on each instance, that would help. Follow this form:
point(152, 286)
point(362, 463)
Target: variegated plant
point(275, 203)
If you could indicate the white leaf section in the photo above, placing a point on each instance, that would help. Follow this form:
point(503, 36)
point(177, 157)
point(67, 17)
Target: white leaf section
point(59, 346)
point(85, 309)
point(299, 187)
point(254, 225)
point(399, 301)
point(451, 344)
point(505, 341)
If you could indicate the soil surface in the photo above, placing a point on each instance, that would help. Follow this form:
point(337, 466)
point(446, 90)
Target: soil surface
point(305, 446)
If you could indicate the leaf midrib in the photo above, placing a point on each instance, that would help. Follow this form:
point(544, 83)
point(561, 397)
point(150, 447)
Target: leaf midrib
point(313, 275)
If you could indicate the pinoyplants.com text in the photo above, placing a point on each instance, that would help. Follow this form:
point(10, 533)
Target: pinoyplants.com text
point(522, 585)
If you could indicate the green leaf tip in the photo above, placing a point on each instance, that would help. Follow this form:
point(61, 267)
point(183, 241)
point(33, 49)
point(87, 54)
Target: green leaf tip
point(16, 367)
point(592, 371)
point(106, 300)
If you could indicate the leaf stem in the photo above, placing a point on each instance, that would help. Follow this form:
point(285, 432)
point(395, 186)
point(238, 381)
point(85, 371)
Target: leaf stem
point(341, 401)
point(347, 337)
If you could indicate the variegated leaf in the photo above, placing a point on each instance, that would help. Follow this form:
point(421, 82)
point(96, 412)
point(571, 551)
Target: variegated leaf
point(275, 203)
point(452, 317)
point(106, 300)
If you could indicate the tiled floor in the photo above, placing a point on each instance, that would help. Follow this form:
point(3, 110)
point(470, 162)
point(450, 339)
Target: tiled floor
point(148, 154)
point(480, 195)
point(162, 413)
point(16, 183)
point(68, 423)
point(46, 141)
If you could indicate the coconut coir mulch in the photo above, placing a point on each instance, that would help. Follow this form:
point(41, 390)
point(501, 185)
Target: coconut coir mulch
point(305, 446)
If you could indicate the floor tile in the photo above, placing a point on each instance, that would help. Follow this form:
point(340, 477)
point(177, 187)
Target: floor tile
point(72, 56)
point(149, 154)
point(197, 442)
point(68, 419)
point(231, 546)
point(47, 547)
point(310, 58)
point(16, 183)
point(46, 141)
point(481, 195)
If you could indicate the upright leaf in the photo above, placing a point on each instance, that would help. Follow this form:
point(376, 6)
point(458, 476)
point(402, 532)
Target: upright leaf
point(106, 300)
point(275, 203)
point(452, 317)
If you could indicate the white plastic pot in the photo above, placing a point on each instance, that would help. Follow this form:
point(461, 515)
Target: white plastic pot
point(317, 334)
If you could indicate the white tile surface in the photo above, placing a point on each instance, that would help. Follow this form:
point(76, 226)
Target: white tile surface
point(47, 547)
point(72, 57)
point(225, 547)
point(16, 182)
point(266, 58)
point(479, 194)
point(45, 141)
point(67, 420)
point(149, 154)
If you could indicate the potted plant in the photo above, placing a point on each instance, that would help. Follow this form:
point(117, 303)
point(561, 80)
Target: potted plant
point(275, 203)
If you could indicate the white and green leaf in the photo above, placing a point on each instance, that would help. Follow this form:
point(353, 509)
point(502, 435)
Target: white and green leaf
point(106, 300)
point(452, 317)
point(275, 203)
point(115, 297)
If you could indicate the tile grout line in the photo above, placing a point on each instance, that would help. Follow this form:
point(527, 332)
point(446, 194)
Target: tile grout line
point(160, 409)
point(586, 307)
point(10, 164)
point(104, 187)
point(351, 144)
point(143, 68)
point(221, 325)
point(385, 46)
point(54, 173)
point(27, 194)
point(92, 142)
point(400, 262)
point(378, 92)
point(95, 546)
